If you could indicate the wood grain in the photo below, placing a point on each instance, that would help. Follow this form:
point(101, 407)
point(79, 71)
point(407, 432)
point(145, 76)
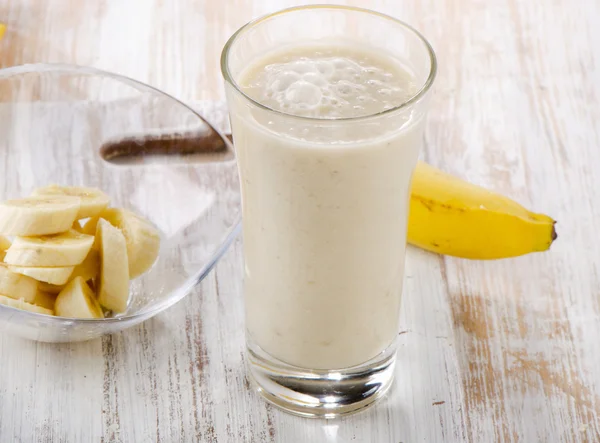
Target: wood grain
point(500, 351)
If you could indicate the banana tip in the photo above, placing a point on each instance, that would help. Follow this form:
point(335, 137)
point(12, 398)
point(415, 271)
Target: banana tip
point(554, 235)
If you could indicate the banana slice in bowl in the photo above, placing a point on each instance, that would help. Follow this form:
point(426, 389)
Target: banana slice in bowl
point(77, 300)
point(141, 238)
point(92, 201)
point(39, 215)
point(69, 248)
point(52, 276)
point(113, 283)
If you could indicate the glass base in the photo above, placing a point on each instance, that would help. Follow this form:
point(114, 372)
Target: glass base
point(320, 393)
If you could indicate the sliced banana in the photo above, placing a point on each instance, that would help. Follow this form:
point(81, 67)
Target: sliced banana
point(17, 286)
point(22, 304)
point(54, 276)
point(38, 215)
point(143, 239)
point(45, 300)
point(88, 270)
point(93, 200)
point(67, 242)
point(113, 284)
point(77, 300)
point(67, 249)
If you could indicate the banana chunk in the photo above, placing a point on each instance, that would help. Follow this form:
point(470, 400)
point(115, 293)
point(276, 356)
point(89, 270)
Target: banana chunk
point(77, 300)
point(88, 270)
point(92, 200)
point(67, 249)
point(143, 239)
point(39, 215)
point(113, 284)
point(17, 286)
point(45, 300)
point(22, 304)
point(54, 276)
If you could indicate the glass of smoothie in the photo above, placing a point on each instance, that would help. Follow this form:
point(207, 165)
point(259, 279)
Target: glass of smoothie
point(327, 107)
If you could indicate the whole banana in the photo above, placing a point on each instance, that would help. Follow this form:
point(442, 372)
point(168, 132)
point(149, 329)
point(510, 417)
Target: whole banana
point(453, 217)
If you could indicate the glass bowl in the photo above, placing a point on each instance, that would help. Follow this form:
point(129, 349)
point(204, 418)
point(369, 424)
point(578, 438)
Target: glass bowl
point(71, 125)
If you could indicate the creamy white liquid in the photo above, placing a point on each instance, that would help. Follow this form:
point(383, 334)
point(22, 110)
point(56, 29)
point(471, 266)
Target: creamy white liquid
point(325, 207)
point(328, 82)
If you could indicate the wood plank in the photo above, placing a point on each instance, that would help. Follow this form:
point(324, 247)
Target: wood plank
point(499, 351)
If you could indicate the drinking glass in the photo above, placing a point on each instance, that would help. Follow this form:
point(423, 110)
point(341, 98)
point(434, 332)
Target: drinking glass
point(324, 209)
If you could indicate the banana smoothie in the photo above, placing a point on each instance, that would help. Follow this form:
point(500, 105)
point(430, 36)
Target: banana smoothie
point(325, 200)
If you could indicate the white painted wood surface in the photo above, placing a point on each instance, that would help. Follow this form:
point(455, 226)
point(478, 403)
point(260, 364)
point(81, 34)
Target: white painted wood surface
point(501, 351)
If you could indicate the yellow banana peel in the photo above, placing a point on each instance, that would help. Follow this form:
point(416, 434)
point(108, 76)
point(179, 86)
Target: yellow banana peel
point(453, 217)
point(2, 30)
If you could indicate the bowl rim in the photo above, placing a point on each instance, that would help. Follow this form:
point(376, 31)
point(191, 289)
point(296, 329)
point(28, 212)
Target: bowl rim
point(185, 288)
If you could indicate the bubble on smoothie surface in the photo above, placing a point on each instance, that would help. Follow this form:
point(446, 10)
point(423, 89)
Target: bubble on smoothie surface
point(328, 83)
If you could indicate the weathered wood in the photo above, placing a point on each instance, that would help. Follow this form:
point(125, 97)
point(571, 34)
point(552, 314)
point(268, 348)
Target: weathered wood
point(500, 351)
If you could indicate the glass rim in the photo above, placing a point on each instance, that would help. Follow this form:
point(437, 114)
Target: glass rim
point(251, 24)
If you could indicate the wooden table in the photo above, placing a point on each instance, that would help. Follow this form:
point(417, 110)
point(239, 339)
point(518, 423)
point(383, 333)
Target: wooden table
point(503, 351)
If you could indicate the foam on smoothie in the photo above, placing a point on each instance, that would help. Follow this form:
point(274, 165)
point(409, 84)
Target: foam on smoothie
point(328, 84)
